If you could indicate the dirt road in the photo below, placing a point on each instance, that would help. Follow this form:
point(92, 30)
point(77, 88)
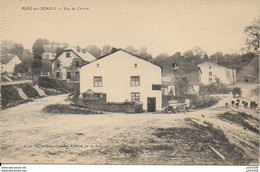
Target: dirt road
point(31, 136)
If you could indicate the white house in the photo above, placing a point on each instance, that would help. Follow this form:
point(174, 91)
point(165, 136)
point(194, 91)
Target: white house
point(66, 66)
point(8, 62)
point(211, 72)
point(123, 76)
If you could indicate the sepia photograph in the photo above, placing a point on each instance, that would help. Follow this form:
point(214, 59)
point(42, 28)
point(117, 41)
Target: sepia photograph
point(130, 82)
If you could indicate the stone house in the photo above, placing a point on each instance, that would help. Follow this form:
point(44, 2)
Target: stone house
point(124, 77)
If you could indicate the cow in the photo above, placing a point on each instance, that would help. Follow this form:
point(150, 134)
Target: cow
point(237, 105)
point(246, 105)
point(232, 102)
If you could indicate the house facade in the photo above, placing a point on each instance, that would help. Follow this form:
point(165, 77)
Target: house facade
point(176, 67)
point(67, 65)
point(212, 73)
point(8, 63)
point(124, 77)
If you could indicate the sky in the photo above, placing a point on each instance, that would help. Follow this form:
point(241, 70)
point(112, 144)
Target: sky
point(163, 26)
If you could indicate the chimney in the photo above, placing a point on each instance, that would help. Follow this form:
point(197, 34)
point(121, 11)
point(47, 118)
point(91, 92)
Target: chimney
point(114, 49)
point(78, 48)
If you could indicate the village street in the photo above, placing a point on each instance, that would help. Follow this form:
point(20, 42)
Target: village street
point(31, 136)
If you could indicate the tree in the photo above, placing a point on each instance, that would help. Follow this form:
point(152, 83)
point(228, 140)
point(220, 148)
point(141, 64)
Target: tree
point(160, 58)
point(194, 56)
point(22, 67)
point(205, 57)
point(143, 54)
point(37, 49)
point(17, 49)
point(106, 49)
point(94, 50)
point(5, 47)
point(131, 49)
point(181, 86)
point(252, 40)
point(218, 56)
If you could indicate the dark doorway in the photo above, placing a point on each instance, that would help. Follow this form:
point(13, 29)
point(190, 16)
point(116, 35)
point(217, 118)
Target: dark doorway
point(151, 104)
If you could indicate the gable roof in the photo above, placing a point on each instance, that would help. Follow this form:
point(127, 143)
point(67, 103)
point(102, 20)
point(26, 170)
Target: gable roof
point(213, 63)
point(7, 58)
point(86, 56)
point(115, 50)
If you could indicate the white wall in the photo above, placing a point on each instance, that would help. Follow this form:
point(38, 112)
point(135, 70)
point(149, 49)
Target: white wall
point(116, 70)
point(9, 67)
point(226, 76)
point(65, 62)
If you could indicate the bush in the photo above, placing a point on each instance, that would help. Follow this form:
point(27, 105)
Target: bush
point(9, 96)
point(52, 83)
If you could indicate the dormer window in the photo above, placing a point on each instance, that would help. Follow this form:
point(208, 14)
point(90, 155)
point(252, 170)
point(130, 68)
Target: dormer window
point(77, 63)
point(135, 65)
point(57, 64)
point(68, 54)
point(175, 65)
point(84, 51)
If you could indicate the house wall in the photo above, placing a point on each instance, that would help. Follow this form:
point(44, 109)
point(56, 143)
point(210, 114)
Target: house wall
point(116, 71)
point(2, 66)
point(48, 55)
point(67, 64)
point(9, 67)
point(226, 76)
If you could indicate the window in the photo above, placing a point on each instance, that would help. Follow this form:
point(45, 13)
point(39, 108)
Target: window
point(135, 65)
point(135, 80)
point(68, 75)
point(68, 54)
point(77, 63)
point(57, 74)
point(209, 67)
point(77, 75)
point(156, 87)
point(210, 80)
point(135, 97)
point(175, 65)
point(97, 81)
point(2, 67)
point(98, 95)
point(57, 64)
point(210, 73)
point(98, 65)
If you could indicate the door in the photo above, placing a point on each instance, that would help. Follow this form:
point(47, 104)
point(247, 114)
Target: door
point(151, 104)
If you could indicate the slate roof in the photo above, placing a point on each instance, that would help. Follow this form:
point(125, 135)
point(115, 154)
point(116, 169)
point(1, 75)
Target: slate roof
point(86, 56)
point(114, 50)
point(6, 58)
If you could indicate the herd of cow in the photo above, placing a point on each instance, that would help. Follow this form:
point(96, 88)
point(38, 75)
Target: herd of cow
point(236, 103)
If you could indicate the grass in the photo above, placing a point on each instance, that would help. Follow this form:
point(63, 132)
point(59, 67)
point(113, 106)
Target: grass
point(240, 119)
point(68, 109)
point(194, 142)
point(30, 91)
point(9, 96)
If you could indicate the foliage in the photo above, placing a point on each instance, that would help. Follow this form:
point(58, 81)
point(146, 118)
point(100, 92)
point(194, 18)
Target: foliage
point(9, 47)
point(106, 49)
point(181, 86)
point(37, 49)
point(160, 58)
point(252, 40)
point(22, 67)
point(94, 50)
